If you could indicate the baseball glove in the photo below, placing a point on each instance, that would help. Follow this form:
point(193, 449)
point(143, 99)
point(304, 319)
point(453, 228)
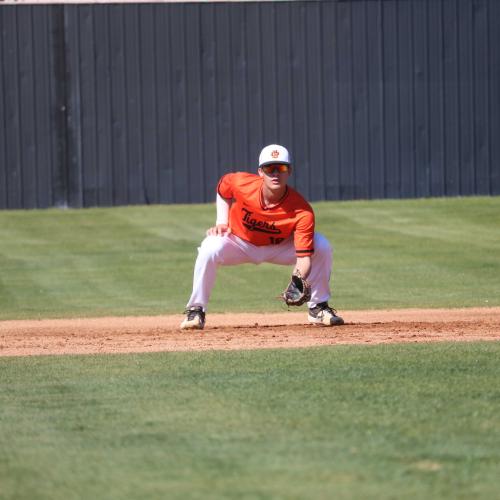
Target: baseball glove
point(298, 291)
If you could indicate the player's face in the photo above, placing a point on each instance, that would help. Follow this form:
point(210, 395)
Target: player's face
point(275, 175)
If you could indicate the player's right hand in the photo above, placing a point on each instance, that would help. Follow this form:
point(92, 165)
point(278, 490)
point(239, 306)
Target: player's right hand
point(219, 230)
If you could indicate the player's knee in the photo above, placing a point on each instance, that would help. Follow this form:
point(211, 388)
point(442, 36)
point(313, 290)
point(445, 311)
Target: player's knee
point(322, 246)
point(211, 248)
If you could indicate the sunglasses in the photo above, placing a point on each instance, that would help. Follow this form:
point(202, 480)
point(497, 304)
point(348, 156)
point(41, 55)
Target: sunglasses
point(275, 167)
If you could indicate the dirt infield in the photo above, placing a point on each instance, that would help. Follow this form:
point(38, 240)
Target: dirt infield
point(244, 331)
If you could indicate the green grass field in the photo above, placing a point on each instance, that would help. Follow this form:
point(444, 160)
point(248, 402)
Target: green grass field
point(139, 260)
point(344, 422)
point(413, 421)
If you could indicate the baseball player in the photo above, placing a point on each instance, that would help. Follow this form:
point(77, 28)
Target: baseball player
point(261, 219)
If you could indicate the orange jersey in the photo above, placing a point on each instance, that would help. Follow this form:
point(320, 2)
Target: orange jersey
point(251, 221)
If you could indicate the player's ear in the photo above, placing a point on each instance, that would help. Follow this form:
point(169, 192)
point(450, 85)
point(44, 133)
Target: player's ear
point(260, 172)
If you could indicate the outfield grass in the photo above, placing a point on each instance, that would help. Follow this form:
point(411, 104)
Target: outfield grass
point(139, 260)
point(346, 422)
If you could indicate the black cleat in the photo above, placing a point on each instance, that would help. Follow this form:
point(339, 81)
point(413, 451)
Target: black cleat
point(195, 319)
point(323, 314)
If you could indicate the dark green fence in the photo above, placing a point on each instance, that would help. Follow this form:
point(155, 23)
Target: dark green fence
point(151, 103)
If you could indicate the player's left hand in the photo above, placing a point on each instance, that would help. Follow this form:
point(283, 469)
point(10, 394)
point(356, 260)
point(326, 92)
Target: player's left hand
point(297, 291)
point(219, 230)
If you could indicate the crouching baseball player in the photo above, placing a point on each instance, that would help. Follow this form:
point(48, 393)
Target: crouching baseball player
point(261, 219)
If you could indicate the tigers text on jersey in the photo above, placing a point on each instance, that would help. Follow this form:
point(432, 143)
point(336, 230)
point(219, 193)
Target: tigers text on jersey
point(250, 220)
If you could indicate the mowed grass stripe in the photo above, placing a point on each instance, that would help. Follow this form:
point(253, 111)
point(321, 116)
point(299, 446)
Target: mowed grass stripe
point(139, 260)
point(419, 252)
point(391, 421)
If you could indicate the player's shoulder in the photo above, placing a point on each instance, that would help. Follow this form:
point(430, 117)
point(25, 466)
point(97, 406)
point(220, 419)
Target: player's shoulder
point(298, 201)
point(244, 177)
point(234, 184)
point(241, 178)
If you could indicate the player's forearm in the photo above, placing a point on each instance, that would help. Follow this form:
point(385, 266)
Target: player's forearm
point(221, 227)
point(303, 265)
point(223, 207)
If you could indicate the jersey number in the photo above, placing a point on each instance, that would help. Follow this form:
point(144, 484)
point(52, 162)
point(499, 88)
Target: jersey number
point(275, 241)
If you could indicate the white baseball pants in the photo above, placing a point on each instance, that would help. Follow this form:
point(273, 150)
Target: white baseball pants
point(229, 250)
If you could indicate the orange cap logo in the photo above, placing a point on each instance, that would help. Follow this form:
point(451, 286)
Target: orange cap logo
point(275, 153)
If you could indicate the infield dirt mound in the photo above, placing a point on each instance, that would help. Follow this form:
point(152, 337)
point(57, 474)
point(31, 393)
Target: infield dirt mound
point(244, 331)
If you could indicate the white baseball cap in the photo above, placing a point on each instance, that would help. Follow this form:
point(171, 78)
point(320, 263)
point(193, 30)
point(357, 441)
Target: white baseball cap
point(274, 153)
